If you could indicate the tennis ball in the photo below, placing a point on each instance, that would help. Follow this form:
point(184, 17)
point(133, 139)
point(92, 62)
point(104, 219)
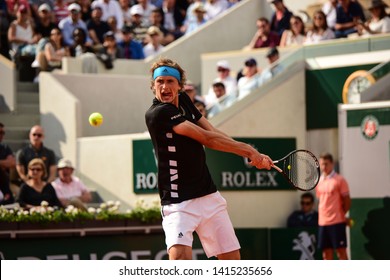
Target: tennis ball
point(289, 167)
point(95, 119)
point(351, 223)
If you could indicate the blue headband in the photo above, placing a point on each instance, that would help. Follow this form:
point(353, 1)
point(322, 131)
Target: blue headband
point(166, 71)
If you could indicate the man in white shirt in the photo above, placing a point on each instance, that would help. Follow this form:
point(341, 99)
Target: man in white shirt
point(69, 189)
point(112, 8)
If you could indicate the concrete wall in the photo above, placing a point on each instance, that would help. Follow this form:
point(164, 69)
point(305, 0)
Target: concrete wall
point(7, 85)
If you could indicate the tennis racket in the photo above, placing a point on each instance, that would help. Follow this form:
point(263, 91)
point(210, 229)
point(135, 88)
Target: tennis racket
point(301, 169)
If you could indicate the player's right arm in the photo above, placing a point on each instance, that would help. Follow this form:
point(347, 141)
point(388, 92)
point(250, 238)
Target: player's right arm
point(221, 142)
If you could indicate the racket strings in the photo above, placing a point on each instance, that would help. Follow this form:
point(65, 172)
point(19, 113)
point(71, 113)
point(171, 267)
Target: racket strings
point(303, 170)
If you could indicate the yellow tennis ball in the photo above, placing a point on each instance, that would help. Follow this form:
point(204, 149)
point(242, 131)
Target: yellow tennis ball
point(352, 223)
point(95, 119)
point(289, 167)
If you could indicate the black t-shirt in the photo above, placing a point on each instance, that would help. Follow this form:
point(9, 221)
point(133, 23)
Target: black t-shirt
point(28, 195)
point(182, 170)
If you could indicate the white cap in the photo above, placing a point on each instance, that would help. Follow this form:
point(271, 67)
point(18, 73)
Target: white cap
point(137, 10)
point(64, 163)
point(44, 7)
point(223, 64)
point(96, 4)
point(74, 6)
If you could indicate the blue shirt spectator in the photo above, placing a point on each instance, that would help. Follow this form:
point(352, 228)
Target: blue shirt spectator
point(131, 48)
point(348, 14)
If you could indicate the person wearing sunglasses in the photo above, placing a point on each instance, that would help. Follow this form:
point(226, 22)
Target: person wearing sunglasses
point(36, 190)
point(307, 216)
point(36, 149)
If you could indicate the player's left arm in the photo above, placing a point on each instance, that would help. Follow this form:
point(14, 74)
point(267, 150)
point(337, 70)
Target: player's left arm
point(205, 124)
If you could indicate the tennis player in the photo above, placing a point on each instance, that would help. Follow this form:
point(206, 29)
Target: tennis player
point(189, 198)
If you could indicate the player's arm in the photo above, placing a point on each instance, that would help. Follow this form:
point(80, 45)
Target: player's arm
point(346, 200)
point(205, 124)
point(221, 142)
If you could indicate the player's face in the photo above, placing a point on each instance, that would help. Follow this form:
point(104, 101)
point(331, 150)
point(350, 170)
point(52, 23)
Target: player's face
point(326, 166)
point(167, 89)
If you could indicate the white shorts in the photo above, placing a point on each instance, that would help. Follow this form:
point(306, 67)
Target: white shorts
point(207, 216)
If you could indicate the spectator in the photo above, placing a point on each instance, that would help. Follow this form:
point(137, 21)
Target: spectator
point(36, 149)
point(223, 100)
point(125, 6)
point(112, 8)
point(112, 22)
point(199, 20)
point(80, 45)
point(35, 189)
point(44, 23)
point(250, 80)
point(138, 27)
point(190, 15)
point(154, 47)
point(334, 203)
point(173, 17)
point(156, 19)
point(96, 27)
point(263, 37)
point(111, 48)
point(70, 23)
point(4, 25)
point(274, 67)
point(21, 35)
point(131, 48)
point(70, 189)
point(307, 216)
point(86, 9)
point(13, 7)
point(54, 51)
point(201, 106)
point(7, 162)
point(35, 4)
point(320, 30)
point(379, 22)
point(348, 14)
point(329, 9)
point(280, 19)
point(60, 10)
point(223, 72)
point(215, 8)
point(191, 91)
point(295, 36)
point(146, 8)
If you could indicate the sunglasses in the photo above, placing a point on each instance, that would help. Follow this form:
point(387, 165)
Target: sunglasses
point(37, 135)
point(36, 169)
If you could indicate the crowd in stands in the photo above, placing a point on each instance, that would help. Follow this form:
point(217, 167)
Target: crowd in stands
point(33, 176)
point(336, 19)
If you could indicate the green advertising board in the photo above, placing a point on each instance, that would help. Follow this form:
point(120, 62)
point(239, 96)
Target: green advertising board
point(229, 172)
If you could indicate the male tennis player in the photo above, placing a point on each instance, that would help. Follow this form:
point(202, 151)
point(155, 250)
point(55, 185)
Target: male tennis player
point(189, 198)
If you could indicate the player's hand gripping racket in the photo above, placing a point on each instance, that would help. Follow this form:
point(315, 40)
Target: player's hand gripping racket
point(301, 169)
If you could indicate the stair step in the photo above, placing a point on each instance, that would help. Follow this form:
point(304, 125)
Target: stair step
point(17, 120)
point(27, 86)
point(15, 145)
point(17, 132)
point(28, 97)
point(25, 108)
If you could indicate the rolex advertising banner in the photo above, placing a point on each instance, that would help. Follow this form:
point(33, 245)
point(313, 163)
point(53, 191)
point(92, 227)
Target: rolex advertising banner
point(229, 172)
point(364, 133)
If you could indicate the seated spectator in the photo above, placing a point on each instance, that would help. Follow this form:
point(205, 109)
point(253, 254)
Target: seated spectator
point(348, 14)
point(35, 189)
point(215, 8)
point(280, 20)
point(156, 19)
point(80, 45)
point(201, 106)
point(137, 25)
point(125, 7)
point(96, 27)
point(223, 100)
point(329, 9)
point(307, 216)
point(145, 7)
point(173, 17)
point(112, 8)
point(21, 35)
point(197, 22)
point(190, 15)
point(70, 23)
point(110, 51)
point(263, 37)
point(131, 48)
point(191, 91)
point(320, 30)
point(86, 9)
point(60, 10)
point(295, 36)
point(12, 7)
point(36, 149)
point(223, 72)
point(112, 22)
point(7, 162)
point(154, 47)
point(250, 80)
point(54, 51)
point(379, 22)
point(70, 190)
point(274, 68)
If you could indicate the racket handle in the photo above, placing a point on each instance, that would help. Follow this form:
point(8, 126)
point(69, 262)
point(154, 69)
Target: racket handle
point(277, 168)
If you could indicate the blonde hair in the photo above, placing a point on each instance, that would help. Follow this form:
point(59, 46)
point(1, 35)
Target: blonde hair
point(170, 63)
point(38, 161)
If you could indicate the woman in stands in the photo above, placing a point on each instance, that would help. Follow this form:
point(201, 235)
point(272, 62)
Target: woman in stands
point(55, 50)
point(34, 191)
point(295, 36)
point(379, 22)
point(320, 30)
